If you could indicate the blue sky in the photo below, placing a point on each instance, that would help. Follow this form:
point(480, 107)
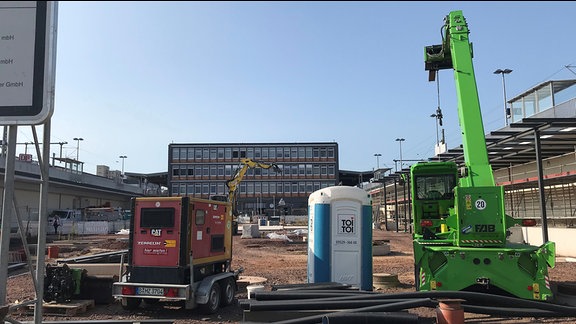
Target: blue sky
point(133, 77)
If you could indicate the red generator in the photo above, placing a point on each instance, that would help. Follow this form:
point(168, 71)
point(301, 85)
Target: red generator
point(180, 251)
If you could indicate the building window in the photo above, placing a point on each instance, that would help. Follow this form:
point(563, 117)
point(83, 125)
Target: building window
point(213, 154)
point(175, 187)
point(213, 171)
point(220, 170)
point(308, 152)
point(175, 153)
point(205, 154)
point(198, 153)
point(265, 153)
point(235, 154)
point(205, 171)
point(316, 153)
point(220, 153)
point(331, 153)
point(190, 190)
point(316, 170)
point(190, 153)
point(190, 170)
point(279, 187)
point(228, 153)
point(294, 152)
point(250, 152)
point(331, 170)
point(308, 170)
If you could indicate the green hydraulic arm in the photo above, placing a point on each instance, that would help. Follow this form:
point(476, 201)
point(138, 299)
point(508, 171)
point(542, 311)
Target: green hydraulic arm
point(456, 53)
point(461, 238)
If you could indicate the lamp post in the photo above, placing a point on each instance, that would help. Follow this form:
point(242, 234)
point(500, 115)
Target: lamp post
point(122, 157)
point(506, 109)
point(377, 155)
point(400, 140)
point(78, 139)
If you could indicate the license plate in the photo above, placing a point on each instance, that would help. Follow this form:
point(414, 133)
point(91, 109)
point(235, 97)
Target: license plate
point(150, 291)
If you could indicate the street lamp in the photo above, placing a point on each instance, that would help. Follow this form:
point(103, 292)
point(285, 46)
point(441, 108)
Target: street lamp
point(377, 155)
point(400, 140)
point(506, 109)
point(78, 139)
point(122, 157)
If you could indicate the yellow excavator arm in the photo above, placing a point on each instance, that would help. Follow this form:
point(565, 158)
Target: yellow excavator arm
point(233, 183)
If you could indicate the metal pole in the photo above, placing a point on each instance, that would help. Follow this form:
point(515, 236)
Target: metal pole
point(396, 204)
point(42, 223)
point(541, 186)
point(7, 208)
point(506, 109)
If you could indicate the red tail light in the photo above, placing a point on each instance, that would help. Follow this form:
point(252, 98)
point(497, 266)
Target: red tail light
point(127, 290)
point(530, 288)
point(438, 284)
point(528, 222)
point(426, 223)
point(171, 292)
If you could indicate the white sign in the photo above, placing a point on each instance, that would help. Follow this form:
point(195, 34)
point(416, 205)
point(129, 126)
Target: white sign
point(27, 61)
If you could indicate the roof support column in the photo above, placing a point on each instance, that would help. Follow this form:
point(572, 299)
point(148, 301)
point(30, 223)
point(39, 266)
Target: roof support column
point(541, 186)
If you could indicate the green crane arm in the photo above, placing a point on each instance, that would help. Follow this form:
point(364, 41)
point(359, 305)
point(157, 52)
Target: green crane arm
point(456, 52)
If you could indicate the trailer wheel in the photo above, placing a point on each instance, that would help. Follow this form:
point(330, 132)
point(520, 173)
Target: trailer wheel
point(228, 292)
point(131, 303)
point(213, 300)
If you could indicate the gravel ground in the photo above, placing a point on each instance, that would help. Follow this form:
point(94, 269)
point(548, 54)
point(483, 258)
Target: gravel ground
point(280, 263)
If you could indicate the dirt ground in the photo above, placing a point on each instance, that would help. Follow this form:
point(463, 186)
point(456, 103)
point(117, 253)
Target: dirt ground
point(279, 262)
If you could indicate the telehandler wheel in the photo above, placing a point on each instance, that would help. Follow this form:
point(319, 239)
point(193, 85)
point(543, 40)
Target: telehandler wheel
point(131, 303)
point(228, 292)
point(213, 300)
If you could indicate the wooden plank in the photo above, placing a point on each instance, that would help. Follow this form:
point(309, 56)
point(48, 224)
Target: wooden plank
point(72, 308)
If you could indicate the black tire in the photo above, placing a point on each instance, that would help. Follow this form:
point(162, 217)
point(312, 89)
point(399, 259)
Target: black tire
point(213, 300)
point(132, 303)
point(228, 292)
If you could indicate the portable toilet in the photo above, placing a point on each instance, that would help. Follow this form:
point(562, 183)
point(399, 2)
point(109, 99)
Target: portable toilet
point(340, 237)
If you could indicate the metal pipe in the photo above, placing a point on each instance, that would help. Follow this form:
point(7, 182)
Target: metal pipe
point(371, 318)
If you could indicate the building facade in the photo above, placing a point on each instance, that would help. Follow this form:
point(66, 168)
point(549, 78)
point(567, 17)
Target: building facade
point(201, 170)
